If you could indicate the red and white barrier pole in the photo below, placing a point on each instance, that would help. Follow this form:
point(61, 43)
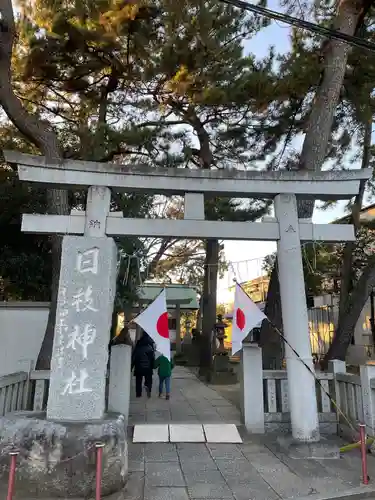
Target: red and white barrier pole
point(362, 434)
point(12, 474)
point(99, 468)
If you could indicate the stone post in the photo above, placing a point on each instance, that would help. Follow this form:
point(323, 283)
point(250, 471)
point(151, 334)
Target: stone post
point(252, 388)
point(119, 379)
point(178, 328)
point(301, 383)
point(367, 372)
point(336, 366)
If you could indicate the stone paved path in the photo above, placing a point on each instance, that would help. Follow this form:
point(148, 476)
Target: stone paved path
point(191, 402)
point(251, 471)
point(255, 470)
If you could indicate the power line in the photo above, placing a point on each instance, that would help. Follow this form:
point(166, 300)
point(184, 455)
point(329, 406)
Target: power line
point(300, 23)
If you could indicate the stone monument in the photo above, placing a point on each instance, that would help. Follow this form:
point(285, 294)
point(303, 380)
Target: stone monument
point(83, 320)
point(63, 440)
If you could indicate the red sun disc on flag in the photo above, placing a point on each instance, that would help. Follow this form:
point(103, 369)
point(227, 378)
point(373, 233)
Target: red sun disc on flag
point(240, 319)
point(162, 326)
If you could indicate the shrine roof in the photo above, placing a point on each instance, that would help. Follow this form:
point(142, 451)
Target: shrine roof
point(177, 294)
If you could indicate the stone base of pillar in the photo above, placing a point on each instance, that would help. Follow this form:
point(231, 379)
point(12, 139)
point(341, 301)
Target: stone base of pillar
point(58, 459)
point(326, 448)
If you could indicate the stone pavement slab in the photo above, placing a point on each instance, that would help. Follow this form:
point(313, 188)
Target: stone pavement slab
point(210, 491)
point(166, 494)
point(257, 491)
point(237, 472)
point(210, 476)
point(224, 433)
point(186, 433)
point(151, 433)
point(224, 451)
point(194, 452)
point(160, 452)
point(163, 474)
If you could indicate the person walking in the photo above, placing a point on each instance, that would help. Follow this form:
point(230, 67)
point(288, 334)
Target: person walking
point(143, 359)
point(164, 367)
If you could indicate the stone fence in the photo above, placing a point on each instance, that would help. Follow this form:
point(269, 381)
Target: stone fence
point(276, 402)
point(28, 391)
point(24, 391)
point(344, 399)
point(265, 403)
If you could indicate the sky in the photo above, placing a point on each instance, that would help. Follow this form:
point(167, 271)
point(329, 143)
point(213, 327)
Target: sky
point(246, 257)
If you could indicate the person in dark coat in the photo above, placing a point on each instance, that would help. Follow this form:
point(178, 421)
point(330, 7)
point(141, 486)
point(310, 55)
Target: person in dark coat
point(143, 359)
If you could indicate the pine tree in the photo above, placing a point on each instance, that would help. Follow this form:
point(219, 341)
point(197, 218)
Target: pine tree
point(321, 82)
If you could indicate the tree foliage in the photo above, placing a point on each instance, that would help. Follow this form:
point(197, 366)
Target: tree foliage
point(320, 266)
point(168, 84)
point(162, 84)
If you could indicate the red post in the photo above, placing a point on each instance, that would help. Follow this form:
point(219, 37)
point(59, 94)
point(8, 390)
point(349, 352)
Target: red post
point(362, 434)
point(99, 467)
point(12, 474)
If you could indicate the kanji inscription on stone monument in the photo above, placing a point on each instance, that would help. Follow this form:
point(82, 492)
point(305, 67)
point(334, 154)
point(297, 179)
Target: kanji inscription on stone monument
point(76, 385)
point(87, 261)
point(82, 336)
point(84, 312)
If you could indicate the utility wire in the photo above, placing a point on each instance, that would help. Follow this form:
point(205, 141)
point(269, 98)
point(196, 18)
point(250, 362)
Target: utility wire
point(300, 23)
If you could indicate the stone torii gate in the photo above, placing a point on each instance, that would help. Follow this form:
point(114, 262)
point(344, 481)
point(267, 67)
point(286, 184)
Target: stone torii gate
point(97, 224)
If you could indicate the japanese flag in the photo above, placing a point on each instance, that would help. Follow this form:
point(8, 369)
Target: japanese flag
point(246, 316)
point(154, 321)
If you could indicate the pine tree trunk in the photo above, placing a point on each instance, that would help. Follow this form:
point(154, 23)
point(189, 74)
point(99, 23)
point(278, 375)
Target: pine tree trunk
point(212, 254)
point(350, 300)
point(209, 304)
point(42, 135)
point(320, 121)
point(269, 339)
point(346, 269)
point(350, 317)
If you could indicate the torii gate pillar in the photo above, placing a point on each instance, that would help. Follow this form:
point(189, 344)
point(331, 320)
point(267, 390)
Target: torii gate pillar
point(301, 382)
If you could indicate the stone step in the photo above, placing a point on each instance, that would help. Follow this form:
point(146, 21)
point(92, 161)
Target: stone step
point(186, 433)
